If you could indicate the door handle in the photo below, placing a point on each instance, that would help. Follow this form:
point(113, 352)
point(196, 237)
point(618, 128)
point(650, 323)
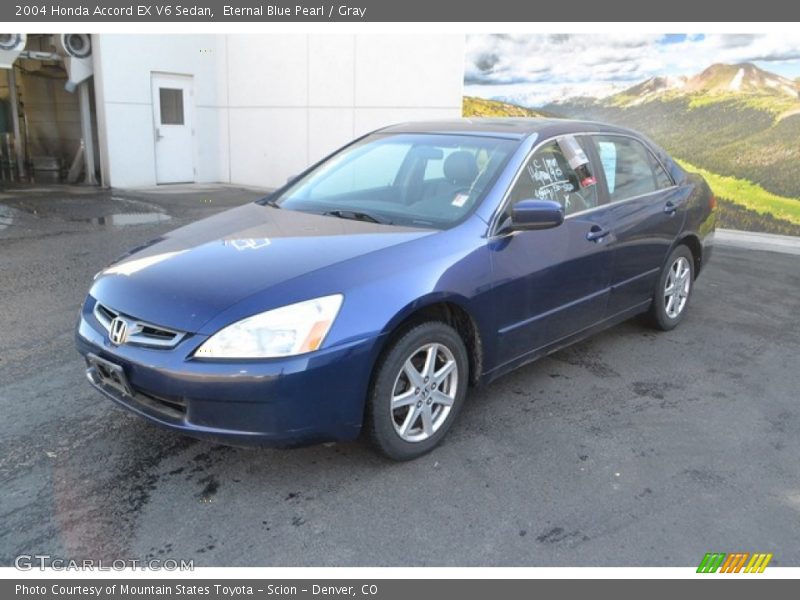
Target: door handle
point(597, 233)
point(670, 207)
point(158, 134)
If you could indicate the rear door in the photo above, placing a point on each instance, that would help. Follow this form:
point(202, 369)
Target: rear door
point(645, 211)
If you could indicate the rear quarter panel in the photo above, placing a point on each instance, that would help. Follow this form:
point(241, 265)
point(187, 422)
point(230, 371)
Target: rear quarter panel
point(701, 218)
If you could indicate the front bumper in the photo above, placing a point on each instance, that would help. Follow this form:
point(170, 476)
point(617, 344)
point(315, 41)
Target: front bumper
point(276, 402)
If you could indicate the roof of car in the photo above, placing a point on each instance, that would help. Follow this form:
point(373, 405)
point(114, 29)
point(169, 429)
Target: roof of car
point(506, 127)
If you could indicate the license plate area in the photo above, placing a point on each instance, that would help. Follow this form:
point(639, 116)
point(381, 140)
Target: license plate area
point(107, 374)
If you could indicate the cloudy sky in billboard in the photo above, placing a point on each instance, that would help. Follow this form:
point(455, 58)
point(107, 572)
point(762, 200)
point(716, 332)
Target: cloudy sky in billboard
point(535, 69)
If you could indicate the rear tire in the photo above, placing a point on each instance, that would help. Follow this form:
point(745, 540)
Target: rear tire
point(673, 290)
point(418, 390)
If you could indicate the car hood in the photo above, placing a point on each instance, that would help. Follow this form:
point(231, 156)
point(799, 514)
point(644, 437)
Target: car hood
point(186, 277)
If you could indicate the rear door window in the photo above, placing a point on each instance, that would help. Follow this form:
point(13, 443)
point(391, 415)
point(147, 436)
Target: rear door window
point(630, 169)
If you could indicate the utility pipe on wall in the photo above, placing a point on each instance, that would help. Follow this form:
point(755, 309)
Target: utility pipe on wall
point(13, 100)
point(86, 132)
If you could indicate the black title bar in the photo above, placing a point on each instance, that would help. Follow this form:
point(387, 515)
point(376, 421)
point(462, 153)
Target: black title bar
point(734, 587)
point(373, 11)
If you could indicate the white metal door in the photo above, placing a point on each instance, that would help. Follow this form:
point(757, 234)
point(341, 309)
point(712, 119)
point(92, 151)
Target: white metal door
point(173, 112)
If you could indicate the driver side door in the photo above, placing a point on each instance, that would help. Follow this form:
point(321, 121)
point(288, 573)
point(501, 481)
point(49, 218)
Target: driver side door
point(552, 283)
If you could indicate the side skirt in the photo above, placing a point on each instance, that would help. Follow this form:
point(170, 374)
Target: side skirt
point(562, 343)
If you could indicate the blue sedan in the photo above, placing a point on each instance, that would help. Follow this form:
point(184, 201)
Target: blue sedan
point(368, 293)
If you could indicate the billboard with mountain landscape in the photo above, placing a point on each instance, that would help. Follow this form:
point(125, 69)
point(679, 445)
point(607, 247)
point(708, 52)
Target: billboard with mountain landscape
point(727, 106)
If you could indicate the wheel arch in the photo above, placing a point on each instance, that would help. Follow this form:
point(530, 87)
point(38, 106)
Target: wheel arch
point(447, 309)
point(691, 241)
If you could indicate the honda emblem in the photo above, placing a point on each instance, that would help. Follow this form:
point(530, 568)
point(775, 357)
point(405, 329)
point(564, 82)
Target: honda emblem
point(118, 332)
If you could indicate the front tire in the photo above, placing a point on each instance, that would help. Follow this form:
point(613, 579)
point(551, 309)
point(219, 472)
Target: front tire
point(673, 290)
point(418, 390)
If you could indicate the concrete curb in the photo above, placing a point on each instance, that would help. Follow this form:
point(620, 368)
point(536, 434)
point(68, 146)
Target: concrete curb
point(189, 188)
point(785, 244)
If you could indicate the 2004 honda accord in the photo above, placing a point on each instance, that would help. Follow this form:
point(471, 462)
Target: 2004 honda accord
point(371, 290)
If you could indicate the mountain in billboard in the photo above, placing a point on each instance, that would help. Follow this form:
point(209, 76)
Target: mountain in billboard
point(743, 83)
point(649, 89)
point(744, 77)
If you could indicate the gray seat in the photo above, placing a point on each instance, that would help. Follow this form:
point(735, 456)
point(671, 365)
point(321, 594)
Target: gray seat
point(460, 170)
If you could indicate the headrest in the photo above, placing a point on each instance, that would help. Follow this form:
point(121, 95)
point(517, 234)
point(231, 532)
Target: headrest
point(461, 168)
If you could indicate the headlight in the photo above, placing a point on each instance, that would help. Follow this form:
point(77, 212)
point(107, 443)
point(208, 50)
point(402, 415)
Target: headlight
point(286, 331)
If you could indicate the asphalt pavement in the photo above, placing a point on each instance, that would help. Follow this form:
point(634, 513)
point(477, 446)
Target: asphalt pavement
point(631, 448)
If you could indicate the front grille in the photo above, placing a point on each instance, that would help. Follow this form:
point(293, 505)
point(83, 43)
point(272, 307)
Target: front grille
point(140, 332)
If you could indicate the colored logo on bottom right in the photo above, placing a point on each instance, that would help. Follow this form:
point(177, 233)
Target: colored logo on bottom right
point(737, 562)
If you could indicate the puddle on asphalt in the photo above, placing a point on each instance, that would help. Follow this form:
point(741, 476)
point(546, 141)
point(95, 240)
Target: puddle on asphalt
point(6, 217)
point(124, 219)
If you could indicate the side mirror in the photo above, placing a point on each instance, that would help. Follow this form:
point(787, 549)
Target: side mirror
point(536, 214)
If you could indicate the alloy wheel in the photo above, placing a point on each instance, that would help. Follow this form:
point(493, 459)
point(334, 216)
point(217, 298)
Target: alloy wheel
point(677, 286)
point(424, 392)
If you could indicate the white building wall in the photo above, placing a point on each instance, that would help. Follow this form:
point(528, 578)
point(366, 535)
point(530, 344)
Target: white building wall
point(269, 105)
point(123, 67)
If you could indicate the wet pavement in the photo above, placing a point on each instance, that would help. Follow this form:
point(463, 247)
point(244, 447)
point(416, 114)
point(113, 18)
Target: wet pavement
point(632, 448)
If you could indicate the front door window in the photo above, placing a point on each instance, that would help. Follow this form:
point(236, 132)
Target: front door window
point(558, 171)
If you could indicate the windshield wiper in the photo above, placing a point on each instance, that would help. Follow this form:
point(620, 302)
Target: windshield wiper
point(355, 215)
point(269, 201)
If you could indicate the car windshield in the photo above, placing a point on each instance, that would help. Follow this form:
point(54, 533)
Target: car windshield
point(428, 180)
